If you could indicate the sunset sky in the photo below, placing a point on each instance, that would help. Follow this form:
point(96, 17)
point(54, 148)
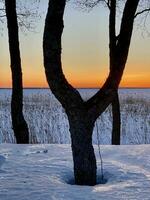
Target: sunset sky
point(85, 51)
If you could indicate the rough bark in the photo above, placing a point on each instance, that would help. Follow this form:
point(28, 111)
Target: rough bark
point(19, 124)
point(82, 115)
point(81, 129)
point(116, 126)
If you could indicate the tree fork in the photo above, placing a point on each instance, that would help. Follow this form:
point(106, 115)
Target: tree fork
point(81, 114)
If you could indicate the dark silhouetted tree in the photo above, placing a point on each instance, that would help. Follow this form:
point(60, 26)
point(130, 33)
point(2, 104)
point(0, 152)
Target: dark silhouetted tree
point(83, 114)
point(25, 17)
point(19, 124)
point(144, 7)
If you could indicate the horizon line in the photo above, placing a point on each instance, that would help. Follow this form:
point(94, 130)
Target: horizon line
point(78, 88)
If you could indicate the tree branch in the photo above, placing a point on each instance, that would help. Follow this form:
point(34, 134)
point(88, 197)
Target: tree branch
point(112, 33)
point(26, 14)
point(126, 29)
point(141, 12)
point(99, 102)
point(91, 5)
point(107, 3)
point(68, 96)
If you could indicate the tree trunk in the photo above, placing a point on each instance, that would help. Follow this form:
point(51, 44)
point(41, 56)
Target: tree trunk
point(116, 120)
point(81, 114)
point(81, 126)
point(83, 152)
point(19, 124)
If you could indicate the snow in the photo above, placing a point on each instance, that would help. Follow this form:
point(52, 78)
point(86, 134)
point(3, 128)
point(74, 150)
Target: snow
point(2, 160)
point(48, 122)
point(43, 172)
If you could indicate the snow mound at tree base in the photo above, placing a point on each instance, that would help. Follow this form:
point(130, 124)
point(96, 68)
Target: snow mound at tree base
point(44, 172)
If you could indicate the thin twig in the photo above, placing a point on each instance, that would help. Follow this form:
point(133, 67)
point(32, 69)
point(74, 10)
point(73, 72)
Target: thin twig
point(141, 12)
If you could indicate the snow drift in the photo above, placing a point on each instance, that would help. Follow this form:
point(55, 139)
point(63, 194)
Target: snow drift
point(43, 172)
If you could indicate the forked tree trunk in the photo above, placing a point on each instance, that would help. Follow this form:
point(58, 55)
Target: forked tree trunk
point(82, 115)
point(81, 130)
point(81, 127)
point(19, 124)
point(116, 126)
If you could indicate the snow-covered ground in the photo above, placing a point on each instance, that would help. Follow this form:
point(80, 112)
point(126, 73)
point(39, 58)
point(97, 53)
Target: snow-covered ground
point(43, 172)
point(48, 122)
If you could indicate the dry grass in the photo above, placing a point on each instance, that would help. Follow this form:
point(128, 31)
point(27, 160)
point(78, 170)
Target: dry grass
point(48, 122)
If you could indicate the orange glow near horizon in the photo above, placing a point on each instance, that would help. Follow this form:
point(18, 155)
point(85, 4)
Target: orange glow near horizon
point(38, 80)
point(39, 84)
point(85, 53)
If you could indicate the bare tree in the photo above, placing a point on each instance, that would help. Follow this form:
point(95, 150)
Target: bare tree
point(25, 17)
point(18, 122)
point(83, 114)
point(27, 14)
point(144, 7)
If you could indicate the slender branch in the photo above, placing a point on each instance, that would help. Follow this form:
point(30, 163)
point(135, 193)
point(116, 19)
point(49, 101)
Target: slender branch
point(91, 5)
point(141, 12)
point(126, 29)
point(26, 15)
point(99, 102)
point(108, 3)
point(112, 33)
